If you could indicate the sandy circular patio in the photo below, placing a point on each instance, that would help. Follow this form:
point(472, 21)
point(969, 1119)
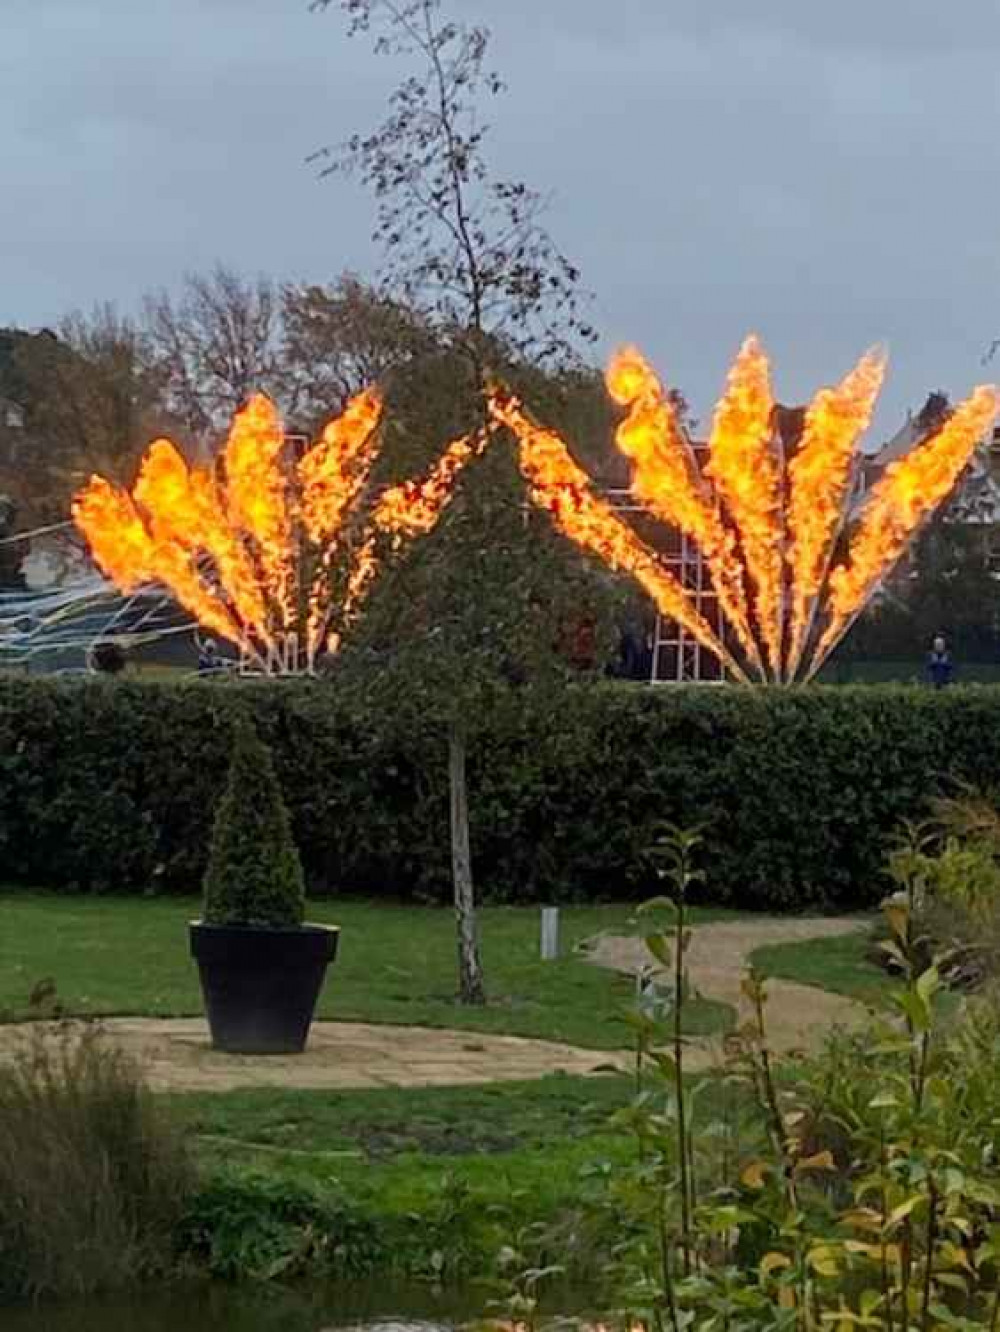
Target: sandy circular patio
point(177, 1055)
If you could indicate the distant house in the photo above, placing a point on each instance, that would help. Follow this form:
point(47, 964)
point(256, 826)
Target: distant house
point(975, 503)
point(53, 559)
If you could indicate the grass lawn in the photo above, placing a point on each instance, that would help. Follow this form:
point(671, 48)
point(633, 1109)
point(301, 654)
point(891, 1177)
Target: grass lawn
point(397, 964)
point(841, 964)
point(456, 1157)
point(438, 1122)
point(438, 1174)
point(406, 1149)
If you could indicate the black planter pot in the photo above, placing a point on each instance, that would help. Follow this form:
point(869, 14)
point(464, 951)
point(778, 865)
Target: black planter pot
point(261, 985)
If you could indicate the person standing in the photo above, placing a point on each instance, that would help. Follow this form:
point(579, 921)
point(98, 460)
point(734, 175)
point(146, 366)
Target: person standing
point(209, 662)
point(940, 667)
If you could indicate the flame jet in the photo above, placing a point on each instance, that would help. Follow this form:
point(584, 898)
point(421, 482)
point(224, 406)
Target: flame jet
point(668, 482)
point(561, 487)
point(903, 498)
point(249, 548)
point(820, 476)
point(745, 468)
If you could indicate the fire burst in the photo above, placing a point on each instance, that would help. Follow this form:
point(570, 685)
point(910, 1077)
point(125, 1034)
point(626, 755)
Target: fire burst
point(268, 552)
point(790, 572)
point(274, 555)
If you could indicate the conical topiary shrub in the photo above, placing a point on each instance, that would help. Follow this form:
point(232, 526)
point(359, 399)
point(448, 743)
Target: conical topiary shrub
point(254, 874)
point(261, 968)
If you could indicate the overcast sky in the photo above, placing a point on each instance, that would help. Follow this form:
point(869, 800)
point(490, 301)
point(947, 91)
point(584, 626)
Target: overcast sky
point(824, 172)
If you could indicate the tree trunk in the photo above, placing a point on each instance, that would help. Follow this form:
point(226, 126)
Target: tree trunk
point(470, 971)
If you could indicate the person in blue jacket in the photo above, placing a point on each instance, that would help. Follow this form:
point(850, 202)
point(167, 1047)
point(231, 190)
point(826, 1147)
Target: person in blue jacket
point(209, 661)
point(940, 667)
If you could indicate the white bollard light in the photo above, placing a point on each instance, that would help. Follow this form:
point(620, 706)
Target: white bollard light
point(550, 933)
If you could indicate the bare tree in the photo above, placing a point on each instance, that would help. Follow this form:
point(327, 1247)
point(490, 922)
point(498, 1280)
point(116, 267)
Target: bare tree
point(214, 344)
point(340, 338)
point(90, 396)
point(468, 251)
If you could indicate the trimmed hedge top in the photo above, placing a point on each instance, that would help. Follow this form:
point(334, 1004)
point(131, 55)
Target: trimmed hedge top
point(110, 785)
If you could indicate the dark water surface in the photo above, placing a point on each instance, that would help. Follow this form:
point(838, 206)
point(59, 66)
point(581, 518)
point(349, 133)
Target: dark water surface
point(382, 1308)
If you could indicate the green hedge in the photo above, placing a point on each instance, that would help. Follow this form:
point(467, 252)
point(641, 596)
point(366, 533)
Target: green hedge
point(110, 786)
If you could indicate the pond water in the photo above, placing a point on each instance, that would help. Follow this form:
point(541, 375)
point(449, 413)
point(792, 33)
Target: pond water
point(259, 1309)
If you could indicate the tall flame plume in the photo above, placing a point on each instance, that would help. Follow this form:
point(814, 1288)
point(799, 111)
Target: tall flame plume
point(821, 475)
point(279, 556)
point(668, 482)
point(771, 527)
point(250, 547)
point(559, 485)
point(910, 490)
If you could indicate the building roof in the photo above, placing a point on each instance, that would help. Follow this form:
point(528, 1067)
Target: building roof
point(976, 499)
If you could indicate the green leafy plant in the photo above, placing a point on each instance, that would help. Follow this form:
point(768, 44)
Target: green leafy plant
point(246, 1222)
point(950, 865)
point(247, 1225)
point(254, 874)
point(858, 1189)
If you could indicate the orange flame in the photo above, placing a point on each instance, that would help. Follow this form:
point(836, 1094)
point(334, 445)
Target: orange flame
point(667, 481)
point(405, 511)
point(746, 469)
point(256, 487)
point(821, 475)
point(331, 477)
point(909, 491)
point(335, 469)
point(560, 486)
point(232, 552)
point(117, 537)
point(130, 556)
point(182, 507)
point(414, 507)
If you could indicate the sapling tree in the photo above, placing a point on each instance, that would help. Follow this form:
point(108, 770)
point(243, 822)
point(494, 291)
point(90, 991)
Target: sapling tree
point(468, 251)
point(463, 245)
point(673, 860)
point(491, 603)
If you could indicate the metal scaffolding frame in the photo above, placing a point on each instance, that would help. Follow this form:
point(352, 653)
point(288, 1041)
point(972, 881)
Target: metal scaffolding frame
point(676, 656)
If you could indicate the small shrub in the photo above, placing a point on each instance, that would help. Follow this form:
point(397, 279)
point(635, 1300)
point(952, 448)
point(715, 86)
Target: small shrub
point(93, 1178)
point(254, 873)
point(243, 1225)
point(953, 864)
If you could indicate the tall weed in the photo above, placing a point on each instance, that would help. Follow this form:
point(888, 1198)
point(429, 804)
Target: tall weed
point(93, 1178)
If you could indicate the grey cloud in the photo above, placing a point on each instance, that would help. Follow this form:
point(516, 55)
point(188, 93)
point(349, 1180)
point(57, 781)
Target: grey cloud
point(824, 173)
point(890, 28)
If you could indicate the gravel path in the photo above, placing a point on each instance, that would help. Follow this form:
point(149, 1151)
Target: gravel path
point(178, 1057)
point(718, 957)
